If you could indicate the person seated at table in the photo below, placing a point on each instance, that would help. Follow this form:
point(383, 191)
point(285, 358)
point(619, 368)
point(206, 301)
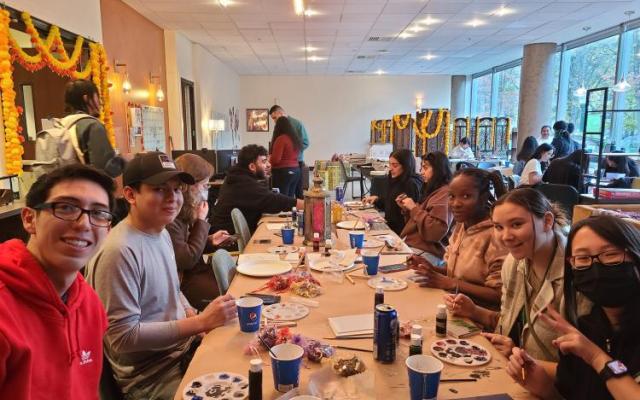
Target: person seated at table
point(428, 223)
point(462, 150)
point(531, 228)
point(566, 170)
point(245, 188)
point(51, 321)
point(621, 165)
point(599, 350)
point(533, 169)
point(190, 234)
point(286, 145)
point(545, 135)
point(152, 327)
point(474, 257)
point(404, 181)
point(529, 147)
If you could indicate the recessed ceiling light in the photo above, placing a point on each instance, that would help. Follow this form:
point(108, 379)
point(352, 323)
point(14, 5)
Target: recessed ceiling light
point(380, 72)
point(316, 58)
point(310, 48)
point(416, 28)
point(405, 35)
point(502, 11)
point(429, 57)
point(298, 6)
point(475, 22)
point(429, 20)
point(310, 13)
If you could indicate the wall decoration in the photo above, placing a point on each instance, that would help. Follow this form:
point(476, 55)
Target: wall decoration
point(234, 124)
point(257, 120)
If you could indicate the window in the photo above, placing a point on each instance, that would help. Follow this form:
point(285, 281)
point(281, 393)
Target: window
point(555, 70)
point(481, 96)
point(508, 93)
point(626, 134)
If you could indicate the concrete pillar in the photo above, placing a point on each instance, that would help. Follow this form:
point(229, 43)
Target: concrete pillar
point(536, 89)
point(458, 88)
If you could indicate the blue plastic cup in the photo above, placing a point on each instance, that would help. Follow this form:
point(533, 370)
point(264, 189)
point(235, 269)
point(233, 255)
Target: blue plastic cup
point(424, 376)
point(249, 310)
point(371, 259)
point(287, 235)
point(286, 366)
point(356, 239)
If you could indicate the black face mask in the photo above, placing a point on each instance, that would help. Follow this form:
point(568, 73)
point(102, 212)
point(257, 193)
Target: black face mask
point(608, 286)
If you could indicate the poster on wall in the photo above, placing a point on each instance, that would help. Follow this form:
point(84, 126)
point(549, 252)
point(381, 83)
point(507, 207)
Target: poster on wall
point(257, 120)
point(153, 132)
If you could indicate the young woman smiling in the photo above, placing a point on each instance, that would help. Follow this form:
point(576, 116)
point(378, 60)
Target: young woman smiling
point(474, 257)
point(530, 227)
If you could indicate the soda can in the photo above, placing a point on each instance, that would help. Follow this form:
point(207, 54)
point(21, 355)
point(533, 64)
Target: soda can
point(385, 333)
point(339, 194)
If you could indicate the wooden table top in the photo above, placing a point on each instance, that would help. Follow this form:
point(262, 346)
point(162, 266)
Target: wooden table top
point(222, 349)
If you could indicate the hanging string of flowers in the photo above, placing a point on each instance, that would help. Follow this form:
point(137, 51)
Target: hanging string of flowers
point(492, 136)
point(507, 133)
point(51, 53)
point(400, 125)
point(422, 131)
point(447, 127)
point(389, 123)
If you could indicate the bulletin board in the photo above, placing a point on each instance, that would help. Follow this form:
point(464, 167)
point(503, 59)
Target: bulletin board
point(153, 132)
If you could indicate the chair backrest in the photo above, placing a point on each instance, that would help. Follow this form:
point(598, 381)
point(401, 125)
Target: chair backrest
point(241, 227)
point(564, 195)
point(109, 389)
point(343, 168)
point(224, 268)
point(486, 164)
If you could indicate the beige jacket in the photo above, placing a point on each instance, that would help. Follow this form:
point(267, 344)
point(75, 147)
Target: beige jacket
point(427, 224)
point(474, 255)
point(551, 293)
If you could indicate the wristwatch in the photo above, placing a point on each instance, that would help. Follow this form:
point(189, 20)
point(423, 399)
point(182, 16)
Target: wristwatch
point(612, 369)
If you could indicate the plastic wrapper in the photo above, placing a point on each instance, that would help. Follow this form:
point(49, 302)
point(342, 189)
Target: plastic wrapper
point(326, 384)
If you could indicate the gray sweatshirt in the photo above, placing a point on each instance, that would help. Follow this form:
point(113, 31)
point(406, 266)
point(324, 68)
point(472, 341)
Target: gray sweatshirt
point(135, 276)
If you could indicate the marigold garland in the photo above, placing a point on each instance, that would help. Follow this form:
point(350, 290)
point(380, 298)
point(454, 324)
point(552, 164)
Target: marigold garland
point(399, 125)
point(507, 133)
point(492, 136)
point(50, 52)
point(422, 132)
point(447, 131)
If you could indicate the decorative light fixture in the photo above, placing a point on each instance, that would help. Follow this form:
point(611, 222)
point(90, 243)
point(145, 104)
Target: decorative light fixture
point(126, 85)
point(622, 86)
point(581, 91)
point(418, 103)
point(298, 6)
point(224, 3)
point(475, 23)
point(159, 92)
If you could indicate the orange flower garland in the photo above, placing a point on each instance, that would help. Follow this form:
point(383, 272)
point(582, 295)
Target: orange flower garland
point(10, 113)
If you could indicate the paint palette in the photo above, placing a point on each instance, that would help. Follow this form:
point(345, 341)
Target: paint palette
point(460, 352)
point(218, 385)
point(285, 311)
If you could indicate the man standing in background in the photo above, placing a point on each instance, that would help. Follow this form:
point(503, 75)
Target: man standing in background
point(276, 112)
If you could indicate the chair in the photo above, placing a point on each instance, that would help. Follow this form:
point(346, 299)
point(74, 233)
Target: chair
point(224, 268)
point(109, 389)
point(350, 179)
point(241, 227)
point(565, 196)
point(486, 165)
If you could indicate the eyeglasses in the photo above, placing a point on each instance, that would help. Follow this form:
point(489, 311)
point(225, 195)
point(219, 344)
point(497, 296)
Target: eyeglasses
point(71, 212)
point(609, 258)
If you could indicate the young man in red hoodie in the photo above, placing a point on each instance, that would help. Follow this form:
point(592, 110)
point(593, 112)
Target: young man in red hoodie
point(51, 321)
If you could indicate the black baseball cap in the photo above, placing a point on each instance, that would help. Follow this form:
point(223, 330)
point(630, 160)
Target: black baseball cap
point(154, 168)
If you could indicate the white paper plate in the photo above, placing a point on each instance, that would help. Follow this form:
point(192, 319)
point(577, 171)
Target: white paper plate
point(325, 265)
point(372, 243)
point(218, 385)
point(351, 225)
point(285, 311)
point(359, 205)
point(460, 352)
point(264, 268)
point(283, 249)
point(390, 284)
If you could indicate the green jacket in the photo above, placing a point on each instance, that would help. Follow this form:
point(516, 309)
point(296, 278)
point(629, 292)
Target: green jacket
point(302, 132)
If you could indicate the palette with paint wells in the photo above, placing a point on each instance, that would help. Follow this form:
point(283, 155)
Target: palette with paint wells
point(460, 352)
point(218, 385)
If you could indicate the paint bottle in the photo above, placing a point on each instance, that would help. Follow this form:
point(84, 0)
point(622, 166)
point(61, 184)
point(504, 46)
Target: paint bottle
point(416, 345)
point(255, 379)
point(441, 321)
point(316, 242)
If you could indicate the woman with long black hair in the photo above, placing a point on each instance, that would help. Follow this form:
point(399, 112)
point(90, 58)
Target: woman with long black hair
point(600, 351)
point(529, 147)
point(403, 182)
point(285, 146)
point(533, 169)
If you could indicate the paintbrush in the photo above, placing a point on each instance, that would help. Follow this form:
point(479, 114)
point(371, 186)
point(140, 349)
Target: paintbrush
point(354, 348)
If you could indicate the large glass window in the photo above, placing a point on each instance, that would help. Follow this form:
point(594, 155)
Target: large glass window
point(481, 96)
point(626, 134)
point(555, 70)
point(508, 93)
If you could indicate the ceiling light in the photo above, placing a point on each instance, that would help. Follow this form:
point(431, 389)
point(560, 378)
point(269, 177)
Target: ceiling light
point(475, 22)
point(429, 20)
point(621, 86)
point(310, 48)
point(310, 13)
point(316, 58)
point(502, 11)
point(224, 3)
point(405, 35)
point(429, 57)
point(298, 6)
point(380, 72)
point(581, 91)
point(416, 29)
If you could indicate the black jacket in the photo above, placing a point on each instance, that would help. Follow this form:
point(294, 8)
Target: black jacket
point(562, 144)
point(412, 187)
point(563, 171)
point(243, 190)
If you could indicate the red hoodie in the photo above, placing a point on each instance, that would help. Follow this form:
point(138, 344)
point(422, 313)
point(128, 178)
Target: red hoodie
point(48, 349)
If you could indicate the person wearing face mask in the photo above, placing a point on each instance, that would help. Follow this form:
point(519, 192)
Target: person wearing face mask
point(190, 234)
point(600, 350)
point(403, 181)
point(531, 228)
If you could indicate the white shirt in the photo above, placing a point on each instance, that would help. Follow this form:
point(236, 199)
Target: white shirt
point(548, 140)
point(532, 165)
point(461, 153)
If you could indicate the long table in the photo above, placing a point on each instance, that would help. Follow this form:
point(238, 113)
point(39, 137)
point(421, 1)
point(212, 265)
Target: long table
point(222, 349)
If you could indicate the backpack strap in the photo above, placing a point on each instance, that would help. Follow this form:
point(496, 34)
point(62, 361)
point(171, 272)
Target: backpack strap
point(69, 124)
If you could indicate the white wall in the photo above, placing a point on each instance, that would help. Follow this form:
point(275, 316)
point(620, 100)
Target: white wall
point(337, 110)
point(77, 16)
